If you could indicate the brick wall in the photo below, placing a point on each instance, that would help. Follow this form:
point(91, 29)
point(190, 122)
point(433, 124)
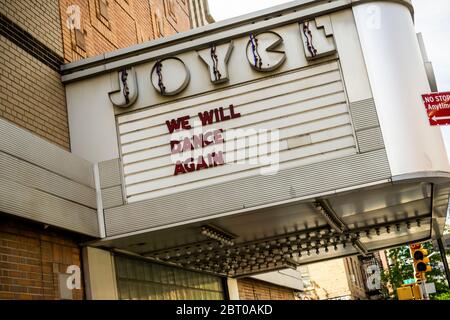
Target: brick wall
point(174, 13)
point(31, 259)
point(38, 17)
point(252, 289)
point(32, 95)
point(107, 25)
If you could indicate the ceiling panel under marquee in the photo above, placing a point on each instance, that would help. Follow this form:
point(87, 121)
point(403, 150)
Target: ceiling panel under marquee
point(293, 234)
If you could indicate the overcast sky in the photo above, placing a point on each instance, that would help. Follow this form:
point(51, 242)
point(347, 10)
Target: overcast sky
point(432, 18)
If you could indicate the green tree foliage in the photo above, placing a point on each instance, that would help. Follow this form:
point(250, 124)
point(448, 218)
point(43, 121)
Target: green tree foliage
point(401, 268)
point(442, 296)
point(436, 275)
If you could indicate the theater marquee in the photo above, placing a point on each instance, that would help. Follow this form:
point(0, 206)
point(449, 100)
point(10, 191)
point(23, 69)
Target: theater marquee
point(284, 130)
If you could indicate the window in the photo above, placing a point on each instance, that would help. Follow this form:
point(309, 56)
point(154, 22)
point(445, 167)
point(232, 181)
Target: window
point(143, 280)
point(102, 12)
point(78, 42)
point(80, 39)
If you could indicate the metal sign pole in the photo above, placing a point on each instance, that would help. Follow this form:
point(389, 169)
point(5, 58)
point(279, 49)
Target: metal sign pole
point(425, 293)
point(444, 259)
point(412, 262)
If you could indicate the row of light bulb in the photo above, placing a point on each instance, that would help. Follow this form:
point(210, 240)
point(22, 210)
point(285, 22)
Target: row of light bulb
point(212, 234)
point(267, 251)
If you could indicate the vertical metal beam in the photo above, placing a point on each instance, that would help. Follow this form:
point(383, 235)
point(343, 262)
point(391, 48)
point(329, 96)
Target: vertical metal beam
point(325, 208)
point(444, 259)
point(100, 212)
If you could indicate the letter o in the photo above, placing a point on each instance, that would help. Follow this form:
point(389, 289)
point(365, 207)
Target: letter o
point(170, 76)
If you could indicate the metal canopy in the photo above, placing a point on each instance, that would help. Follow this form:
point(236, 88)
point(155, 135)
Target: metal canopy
point(287, 236)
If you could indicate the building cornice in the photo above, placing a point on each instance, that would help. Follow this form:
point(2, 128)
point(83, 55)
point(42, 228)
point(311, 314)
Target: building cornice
point(199, 38)
point(407, 3)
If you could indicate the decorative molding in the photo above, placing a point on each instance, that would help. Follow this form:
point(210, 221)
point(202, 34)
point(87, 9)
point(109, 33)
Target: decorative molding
point(169, 7)
point(102, 10)
point(158, 24)
point(127, 6)
point(78, 41)
point(102, 25)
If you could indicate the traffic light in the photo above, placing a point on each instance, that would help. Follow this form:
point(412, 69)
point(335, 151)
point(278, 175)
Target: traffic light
point(420, 261)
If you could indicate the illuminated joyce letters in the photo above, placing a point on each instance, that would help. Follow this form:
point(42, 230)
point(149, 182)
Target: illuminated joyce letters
point(124, 88)
point(318, 38)
point(216, 58)
point(170, 76)
point(263, 51)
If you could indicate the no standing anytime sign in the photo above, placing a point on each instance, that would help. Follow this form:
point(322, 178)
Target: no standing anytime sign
point(438, 108)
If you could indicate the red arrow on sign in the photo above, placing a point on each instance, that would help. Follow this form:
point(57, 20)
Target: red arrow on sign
point(438, 108)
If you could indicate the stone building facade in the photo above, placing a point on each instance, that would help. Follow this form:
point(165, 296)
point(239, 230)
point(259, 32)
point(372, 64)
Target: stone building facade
point(344, 279)
point(339, 279)
point(200, 15)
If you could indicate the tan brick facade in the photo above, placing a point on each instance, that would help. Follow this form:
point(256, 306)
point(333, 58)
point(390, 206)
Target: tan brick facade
point(252, 289)
point(32, 95)
point(38, 17)
point(31, 259)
